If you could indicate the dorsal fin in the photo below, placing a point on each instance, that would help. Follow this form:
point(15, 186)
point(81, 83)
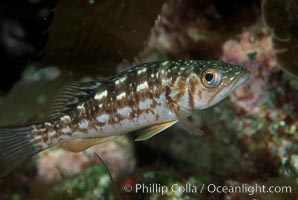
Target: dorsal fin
point(70, 95)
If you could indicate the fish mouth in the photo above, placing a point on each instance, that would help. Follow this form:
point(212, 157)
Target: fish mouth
point(243, 77)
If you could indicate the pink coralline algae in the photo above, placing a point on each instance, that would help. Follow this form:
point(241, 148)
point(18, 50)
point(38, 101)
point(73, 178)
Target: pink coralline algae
point(54, 165)
point(254, 50)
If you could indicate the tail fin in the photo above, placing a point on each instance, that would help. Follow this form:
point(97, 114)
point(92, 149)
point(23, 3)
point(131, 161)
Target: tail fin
point(15, 147)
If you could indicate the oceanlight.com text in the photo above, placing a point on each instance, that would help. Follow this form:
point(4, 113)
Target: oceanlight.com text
point(249, 189)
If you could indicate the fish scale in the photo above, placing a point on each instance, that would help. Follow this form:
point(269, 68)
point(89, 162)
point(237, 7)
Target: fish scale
point(150, 98)
point(139, 105)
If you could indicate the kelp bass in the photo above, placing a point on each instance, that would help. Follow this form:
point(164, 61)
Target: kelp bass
point(149, 97)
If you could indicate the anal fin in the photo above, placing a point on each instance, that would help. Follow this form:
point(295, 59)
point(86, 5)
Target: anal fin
point(78, 145)
point(150, 131)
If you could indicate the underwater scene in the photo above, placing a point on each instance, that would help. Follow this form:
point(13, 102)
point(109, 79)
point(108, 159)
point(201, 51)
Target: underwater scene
point(149, 99)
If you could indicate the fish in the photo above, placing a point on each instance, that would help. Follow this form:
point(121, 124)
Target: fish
point(147, 98)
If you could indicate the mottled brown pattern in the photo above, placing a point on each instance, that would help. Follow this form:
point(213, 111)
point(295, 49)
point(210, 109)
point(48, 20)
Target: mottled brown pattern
point(193, 84)
point(110, 104)
point(133, 97)
point(200, 93)
point(128, 82)
point(125, 103)
point(180, 86)
point(172, 104)
point(40, 133)
point(154, 104)
point(116, 118)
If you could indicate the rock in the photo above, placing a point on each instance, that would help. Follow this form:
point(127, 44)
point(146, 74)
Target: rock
point(55, 164)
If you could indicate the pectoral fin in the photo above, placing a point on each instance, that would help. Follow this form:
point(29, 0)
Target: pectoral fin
point(78, 145)
point(190, 126)
point(185, 118)
point(150, 131)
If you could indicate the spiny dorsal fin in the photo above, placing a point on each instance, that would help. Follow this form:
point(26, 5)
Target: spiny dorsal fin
point(150, 131)
point(78, 145)
point(70, 95)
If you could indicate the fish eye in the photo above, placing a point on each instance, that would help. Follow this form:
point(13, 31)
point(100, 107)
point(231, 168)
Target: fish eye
point(210, 78)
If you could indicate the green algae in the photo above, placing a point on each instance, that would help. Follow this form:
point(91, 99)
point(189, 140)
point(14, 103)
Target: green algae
point(252, 56)
point(93, 183)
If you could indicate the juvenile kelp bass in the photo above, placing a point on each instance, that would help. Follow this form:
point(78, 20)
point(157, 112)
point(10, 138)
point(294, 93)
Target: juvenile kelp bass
point(149, 97)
